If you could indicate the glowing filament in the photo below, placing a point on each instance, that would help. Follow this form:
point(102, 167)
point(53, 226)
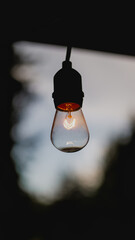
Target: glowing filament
point(69, 121)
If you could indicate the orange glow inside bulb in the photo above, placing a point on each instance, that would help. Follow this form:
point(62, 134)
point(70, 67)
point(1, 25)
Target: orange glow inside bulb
point(68, 107)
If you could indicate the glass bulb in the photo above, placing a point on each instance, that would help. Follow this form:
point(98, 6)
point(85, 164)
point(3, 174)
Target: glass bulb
point(69, 131)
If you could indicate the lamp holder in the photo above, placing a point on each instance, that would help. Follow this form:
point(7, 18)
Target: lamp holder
point(67, 84)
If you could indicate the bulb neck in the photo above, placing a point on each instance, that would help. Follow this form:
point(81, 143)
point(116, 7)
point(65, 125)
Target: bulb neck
point(67, 86)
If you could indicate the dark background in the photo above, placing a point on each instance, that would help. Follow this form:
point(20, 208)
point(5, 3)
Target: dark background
point(109, 214)
point(95, 27)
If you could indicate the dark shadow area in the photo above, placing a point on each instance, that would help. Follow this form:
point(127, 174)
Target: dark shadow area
point(108, 214)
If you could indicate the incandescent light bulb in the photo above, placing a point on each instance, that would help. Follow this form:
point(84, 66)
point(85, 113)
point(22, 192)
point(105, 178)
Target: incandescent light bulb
point(69, 131)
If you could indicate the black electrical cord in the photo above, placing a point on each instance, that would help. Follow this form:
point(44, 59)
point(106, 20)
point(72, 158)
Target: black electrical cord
point(68, 53)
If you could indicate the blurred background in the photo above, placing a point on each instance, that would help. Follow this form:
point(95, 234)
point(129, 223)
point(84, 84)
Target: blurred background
point(45, 193)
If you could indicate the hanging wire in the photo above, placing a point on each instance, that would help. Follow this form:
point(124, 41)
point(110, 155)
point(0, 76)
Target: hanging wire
point(68, 53)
